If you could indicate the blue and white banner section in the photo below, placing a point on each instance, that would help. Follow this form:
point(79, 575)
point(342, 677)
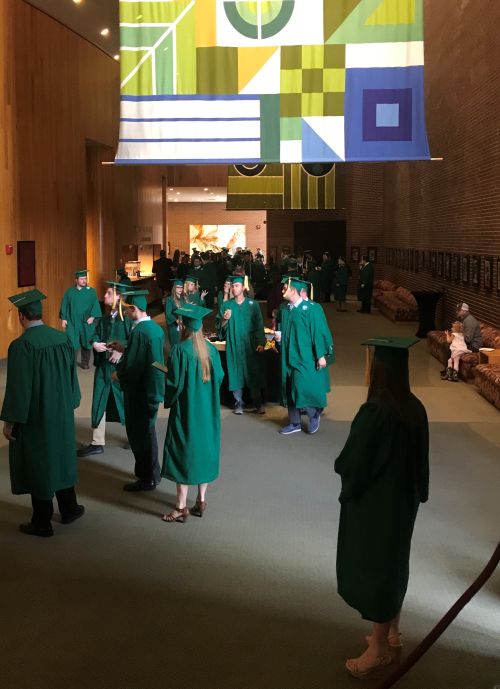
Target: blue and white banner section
point(193, 129)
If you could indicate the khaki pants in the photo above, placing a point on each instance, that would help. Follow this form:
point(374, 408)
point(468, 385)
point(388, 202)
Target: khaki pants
point(99, 433)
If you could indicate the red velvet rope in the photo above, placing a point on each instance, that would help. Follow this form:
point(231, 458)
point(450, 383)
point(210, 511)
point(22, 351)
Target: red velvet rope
point(445, 622)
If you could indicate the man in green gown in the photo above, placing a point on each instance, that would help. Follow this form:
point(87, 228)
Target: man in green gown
point(143, 389)
point(242, 327)
point(107, 396)
point(79, 308)
point(304, 351)
point(365, 285)
point(384, 467)
point(41, 394)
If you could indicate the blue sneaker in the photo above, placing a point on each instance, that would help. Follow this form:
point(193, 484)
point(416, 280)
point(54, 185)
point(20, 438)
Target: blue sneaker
point(291, 428)
point(314, 423)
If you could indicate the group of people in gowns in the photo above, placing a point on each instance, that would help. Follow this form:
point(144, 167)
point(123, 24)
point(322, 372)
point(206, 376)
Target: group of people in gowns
point(384, 465)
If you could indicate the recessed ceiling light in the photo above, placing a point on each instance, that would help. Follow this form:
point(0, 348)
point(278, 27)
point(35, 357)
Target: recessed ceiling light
point(105, 32)
point(205, 189)
point(77, 2)
point(170, 188)
point(116, 57)
point(176, 200)
point(178, 193)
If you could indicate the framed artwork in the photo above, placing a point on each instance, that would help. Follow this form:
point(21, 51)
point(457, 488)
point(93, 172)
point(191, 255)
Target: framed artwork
point(447, 266)
point(488, 272)
point(439, 267)
point(355, 254)
point(475, 270)
point(455, 269)
point(372, 254)
point(26, 264)
point(464, 269)
point(498, 275)
point(433, 263)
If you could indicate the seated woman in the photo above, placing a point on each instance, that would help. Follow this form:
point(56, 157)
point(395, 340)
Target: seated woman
point(384, 468)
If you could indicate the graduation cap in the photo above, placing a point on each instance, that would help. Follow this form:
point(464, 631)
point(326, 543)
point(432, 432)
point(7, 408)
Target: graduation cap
point(177, 282)
point(84, 273)
point(298, 283)
point(392, 352)
point(192, 315)
point(29, 301)
point(191, 278)
point(238, 279)
point(135, 298)
point(118, 288)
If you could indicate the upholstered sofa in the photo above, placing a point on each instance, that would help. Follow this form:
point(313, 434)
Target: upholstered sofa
point(487, 379)
point(381, 286)
point(398, 304)
point(438, 347)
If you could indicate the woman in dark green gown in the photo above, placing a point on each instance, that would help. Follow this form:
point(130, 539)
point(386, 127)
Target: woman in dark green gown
point(384, 468)
point(192, 442)
point(173, 302)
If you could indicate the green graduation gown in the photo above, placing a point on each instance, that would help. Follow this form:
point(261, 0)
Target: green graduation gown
point(195, 298)
point(305, 338)
point(41, 393)
point(174, 335)
point(76, 307)
point(340, 282)
point(108, 395)
point(143, 385)
point(384, 468)
point(192, 443)
point(365, 284)
point(243, 333)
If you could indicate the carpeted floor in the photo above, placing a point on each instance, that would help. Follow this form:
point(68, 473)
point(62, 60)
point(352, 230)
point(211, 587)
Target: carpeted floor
point(246, 597)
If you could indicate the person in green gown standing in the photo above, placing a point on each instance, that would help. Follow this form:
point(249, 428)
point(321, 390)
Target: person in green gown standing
point(41, 394)
point(304, 353)
point(384, 468)
point(365, 285)
point(340, 283)
point(192, 443)
point(107, 395)
point(242, 326)
point(143, 389)
point(191, 292)
point(79, 309)
point(174, 301)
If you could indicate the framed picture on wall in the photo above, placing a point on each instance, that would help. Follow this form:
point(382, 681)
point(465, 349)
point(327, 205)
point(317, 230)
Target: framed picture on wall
point(475, 268)
point(372, 254)
point(355, 254)
point(439, 267)
point(447, 266)
point(488, 272)
point(433, 264)
point(464, 269)
point(455, 262)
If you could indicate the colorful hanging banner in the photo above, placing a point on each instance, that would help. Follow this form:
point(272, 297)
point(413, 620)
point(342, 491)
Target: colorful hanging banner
point(283, 186)
point(269, 81)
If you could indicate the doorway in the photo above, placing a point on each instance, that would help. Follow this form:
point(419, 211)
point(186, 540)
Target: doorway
point(319, 237)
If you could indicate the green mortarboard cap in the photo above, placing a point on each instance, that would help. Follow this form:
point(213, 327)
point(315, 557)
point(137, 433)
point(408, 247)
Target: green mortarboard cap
point(136, 298)
point(120, 286)
point(177, 282)
point(191, 278)
point(192, 315)
point(236, 278)
point(32, 299)
point(82, 273)
point(391, 342)
point(297, 283)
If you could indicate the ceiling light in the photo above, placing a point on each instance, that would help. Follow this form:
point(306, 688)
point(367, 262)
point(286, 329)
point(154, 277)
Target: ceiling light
point(178, 193)
point(176, 200)
point(170, 188)
point(205, 189)
point(77, 2)
point(105, 32)
point(116, 57)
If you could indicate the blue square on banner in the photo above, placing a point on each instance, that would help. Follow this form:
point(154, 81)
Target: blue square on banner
point(371, 132)
point(387, 115)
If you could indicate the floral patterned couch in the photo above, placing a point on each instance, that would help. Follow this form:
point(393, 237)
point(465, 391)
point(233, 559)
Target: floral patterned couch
point(381, 286)
point(487, 379)
point(438, 347)
point(398, 304)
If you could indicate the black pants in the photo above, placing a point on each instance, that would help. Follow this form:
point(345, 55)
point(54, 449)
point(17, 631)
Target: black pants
point(44, 509)
point(366, 306)
point(85, 357)
point(147, 467)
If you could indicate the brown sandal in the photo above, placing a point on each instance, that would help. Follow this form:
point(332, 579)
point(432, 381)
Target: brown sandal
point(177, 515)
point(353, 668)
point(198, 508)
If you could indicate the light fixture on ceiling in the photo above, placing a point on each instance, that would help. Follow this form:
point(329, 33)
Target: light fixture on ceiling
point(178, 193)
point(205, 189)
point(170, 188)
point(104, 32)
point(77, 2)
point(116, 57)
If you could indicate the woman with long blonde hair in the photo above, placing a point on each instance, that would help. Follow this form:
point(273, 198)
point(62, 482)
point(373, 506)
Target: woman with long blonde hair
point(192, 443)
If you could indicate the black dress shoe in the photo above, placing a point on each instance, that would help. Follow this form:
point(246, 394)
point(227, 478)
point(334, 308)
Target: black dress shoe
point(139, 485)
point(34, 530)
point(73, 516)
point(90, 450)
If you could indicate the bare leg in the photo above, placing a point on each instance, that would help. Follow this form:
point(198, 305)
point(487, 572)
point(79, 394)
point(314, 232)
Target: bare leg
point(182, 492)
point(180, 513)
point(202, 489)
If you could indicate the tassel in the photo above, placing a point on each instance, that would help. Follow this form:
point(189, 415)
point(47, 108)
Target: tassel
point(245, 283)
point(312, 292)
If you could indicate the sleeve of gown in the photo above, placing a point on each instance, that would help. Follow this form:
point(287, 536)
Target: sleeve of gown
point(156, 384)
point(75, 385)
point(20, 366)
point(218, 371)
point(321, 335)
point(95, 309)
point(169, 312)
point(125, 367)
point(175, 377)
point(63, 311)
point(423, 459)
point(258, 325)
point(365, 452)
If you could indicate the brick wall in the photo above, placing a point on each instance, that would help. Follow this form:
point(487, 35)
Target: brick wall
point(451, 206)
